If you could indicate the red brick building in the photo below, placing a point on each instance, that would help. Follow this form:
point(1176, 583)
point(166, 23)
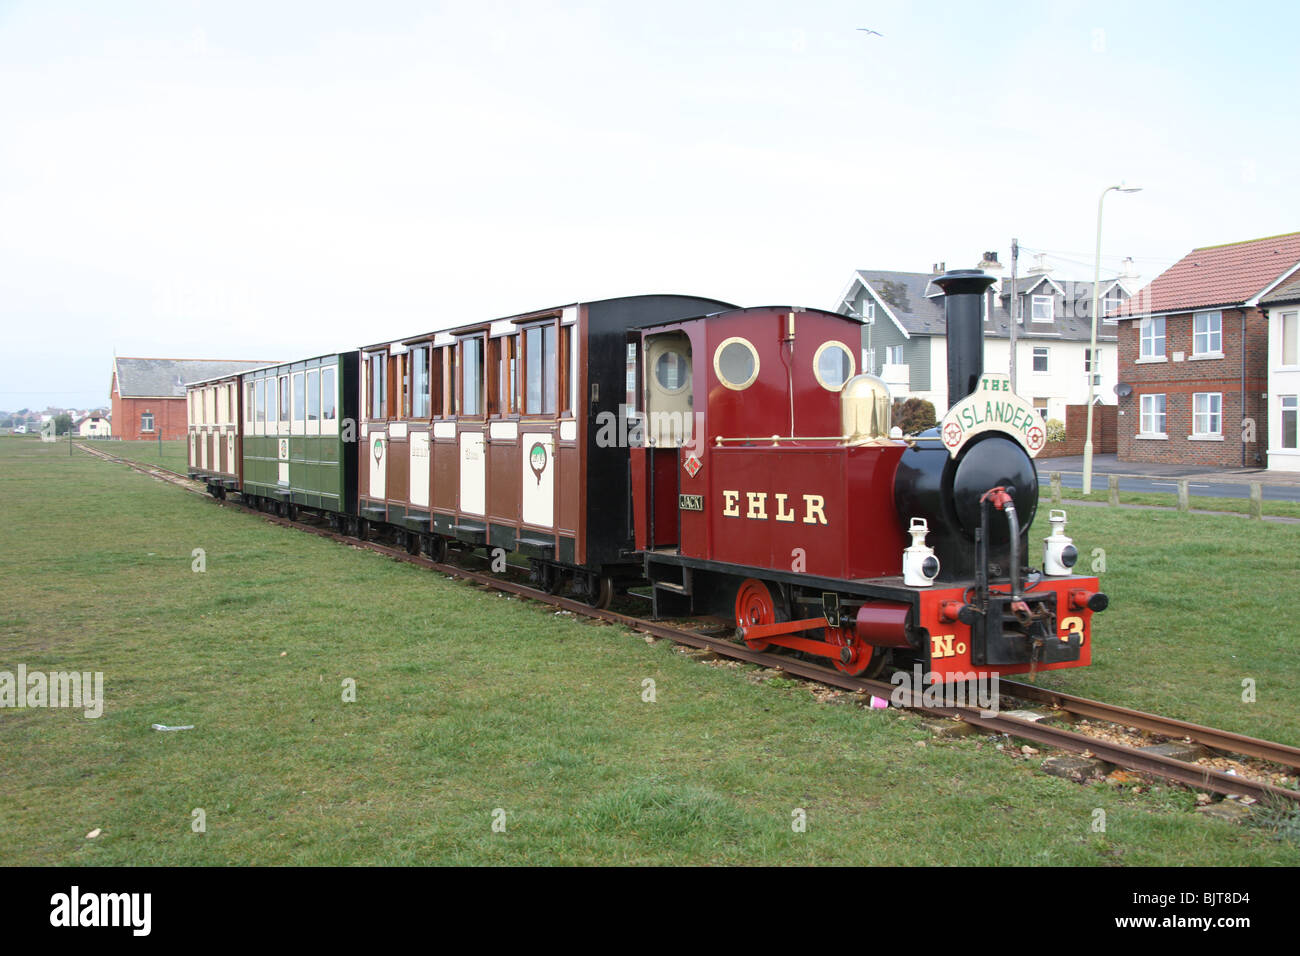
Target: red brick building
point(1193, 354)
point(148, 394)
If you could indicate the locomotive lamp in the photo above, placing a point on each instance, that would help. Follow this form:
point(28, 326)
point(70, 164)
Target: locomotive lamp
point(1059, 554)
point(920, 566)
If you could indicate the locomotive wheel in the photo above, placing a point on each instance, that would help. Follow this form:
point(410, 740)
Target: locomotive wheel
point(754, 605)
point(861, 656)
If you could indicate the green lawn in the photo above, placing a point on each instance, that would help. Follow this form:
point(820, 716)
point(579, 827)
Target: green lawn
point(468, 703)
point(174, 455)
point(1285, 509)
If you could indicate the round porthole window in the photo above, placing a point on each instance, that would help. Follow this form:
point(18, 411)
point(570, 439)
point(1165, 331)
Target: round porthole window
point(672, 371)
point(736, 363)
point(833, 365)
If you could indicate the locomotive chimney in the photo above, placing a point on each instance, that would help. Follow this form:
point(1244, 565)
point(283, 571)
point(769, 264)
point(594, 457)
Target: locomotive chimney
point(963, 307)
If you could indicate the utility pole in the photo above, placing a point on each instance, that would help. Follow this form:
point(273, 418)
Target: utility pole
point(1015, 254)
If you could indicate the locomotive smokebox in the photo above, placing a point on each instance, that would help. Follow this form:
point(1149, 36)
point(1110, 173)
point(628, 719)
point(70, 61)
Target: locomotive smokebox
point(963, 307)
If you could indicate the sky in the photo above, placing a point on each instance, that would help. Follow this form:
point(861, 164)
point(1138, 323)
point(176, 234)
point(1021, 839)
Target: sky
point(276, 180)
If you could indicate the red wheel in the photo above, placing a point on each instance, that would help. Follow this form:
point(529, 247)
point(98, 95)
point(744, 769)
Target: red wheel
point(754, 605)
point(859, 654)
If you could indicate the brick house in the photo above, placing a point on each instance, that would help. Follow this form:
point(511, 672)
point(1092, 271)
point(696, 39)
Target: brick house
point(1193, 356)
point(148, 394)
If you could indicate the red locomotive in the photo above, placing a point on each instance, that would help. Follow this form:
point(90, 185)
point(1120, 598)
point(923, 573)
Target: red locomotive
point(784, 501)
point(730, 458)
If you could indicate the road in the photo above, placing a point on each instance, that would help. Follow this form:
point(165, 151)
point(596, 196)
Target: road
point(1204, 489)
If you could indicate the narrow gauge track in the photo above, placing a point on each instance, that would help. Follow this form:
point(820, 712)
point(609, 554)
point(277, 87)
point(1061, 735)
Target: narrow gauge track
point(1129, 758)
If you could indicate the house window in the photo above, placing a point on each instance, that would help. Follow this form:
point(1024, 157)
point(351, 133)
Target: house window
point(1040, 358)
point(1042, 308)
point(146, 422)
point(1153, 338)
point(1289, 328)
point(894, 355)
point(1290, 421)
point(1040, 406)
point(869, 361)
point(1207, 333)
point(1087, 360)
point(1207, 413)
point(1153, 415)
point(869, 312)
point(1109, 305)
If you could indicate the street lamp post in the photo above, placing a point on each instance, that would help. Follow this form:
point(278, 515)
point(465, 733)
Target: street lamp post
point(1092, 352)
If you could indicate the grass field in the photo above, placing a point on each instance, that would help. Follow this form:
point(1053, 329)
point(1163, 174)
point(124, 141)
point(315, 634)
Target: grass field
point(1159, 499)
point(472, 707)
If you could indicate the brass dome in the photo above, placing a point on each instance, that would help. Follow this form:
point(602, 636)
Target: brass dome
point(865, 409)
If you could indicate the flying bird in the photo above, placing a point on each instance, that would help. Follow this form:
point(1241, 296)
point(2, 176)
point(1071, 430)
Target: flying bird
point(876, 32)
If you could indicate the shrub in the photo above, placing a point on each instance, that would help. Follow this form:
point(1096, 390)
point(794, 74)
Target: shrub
point(1055, 429)
point(914, 415)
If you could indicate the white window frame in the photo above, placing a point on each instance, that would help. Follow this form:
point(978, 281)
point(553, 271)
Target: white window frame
point(143, 417)
point(1051, 308)
point(1289, 403)
point(1148, 416)
point(1211, 417)
point(1212, 336)
point(1147, 340)
point(1294, 318)
point(1109, 305)
point(1047, 360)
point(869, 311)
point(894, 355)
point(1045, 409)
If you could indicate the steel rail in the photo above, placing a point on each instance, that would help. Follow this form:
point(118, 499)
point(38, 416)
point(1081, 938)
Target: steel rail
point(1165, 726)
point(1120, 755)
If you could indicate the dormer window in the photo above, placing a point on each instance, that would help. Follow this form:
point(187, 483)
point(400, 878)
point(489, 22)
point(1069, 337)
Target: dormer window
point(868, 312)
point(1109, 305)
point(1042, 310)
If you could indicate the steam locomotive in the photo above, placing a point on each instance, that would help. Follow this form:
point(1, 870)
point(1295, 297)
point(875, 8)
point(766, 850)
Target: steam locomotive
point(731, 459)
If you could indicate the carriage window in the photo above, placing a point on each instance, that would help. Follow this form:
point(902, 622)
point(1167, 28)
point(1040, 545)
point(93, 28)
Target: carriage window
point(261, 401)
point(403, 363)
point(471, 377)
point(540, 369)
point(736, 363)
point(378, 379)
point(284, 398)
point(509, 374)
point(328, 408)
point(437, 380)
point(271, 415)
point(313, 396)
point(299, 397)
point(420, 382)
point(833, 365)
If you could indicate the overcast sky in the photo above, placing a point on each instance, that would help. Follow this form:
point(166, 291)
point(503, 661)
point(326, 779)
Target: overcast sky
point(276, 180)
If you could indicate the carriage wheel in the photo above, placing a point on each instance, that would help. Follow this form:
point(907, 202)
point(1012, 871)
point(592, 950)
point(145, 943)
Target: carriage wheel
point(754, 605)
point(413, 544)
point(438, 549)
point(600, 591)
